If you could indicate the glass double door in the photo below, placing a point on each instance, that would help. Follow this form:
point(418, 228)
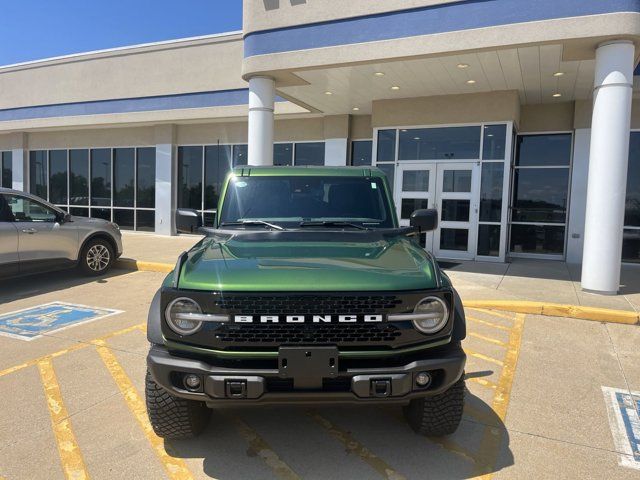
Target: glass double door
point(453, 190)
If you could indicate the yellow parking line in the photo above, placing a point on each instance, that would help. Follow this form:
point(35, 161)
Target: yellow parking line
point(492, 437)
point(489, 324)
point(481, 381)
point(488, 339)
point(261, 448)
point(495, 313)
point(70, 456)
point(481, 356)
point(453, 447)
point(176, 468)
point(355, 447)
point(79, 346)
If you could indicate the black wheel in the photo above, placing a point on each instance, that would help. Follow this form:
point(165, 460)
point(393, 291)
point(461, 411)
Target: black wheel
point(174, 417)
point(96, 257)
point(437, 415)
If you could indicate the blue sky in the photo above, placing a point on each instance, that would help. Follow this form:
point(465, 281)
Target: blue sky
point(33, 29)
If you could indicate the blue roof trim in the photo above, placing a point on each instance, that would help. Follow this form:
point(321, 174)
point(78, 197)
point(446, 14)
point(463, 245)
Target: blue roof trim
point(220, 98)
point(463, 15)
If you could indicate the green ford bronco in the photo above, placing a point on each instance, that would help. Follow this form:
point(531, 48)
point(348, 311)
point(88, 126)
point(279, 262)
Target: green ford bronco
point(306, 292)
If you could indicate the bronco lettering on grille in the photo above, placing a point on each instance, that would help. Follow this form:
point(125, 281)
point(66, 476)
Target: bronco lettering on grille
point(307, 318)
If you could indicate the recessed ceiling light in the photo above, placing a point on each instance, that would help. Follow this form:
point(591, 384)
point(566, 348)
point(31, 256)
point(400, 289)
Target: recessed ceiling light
point(403, 130)
point(416, 138)
point(556, 95)
point(328, 93)
point(355, 109)
point(558, 74)
point(395, 87)
point(489, 134)
point(379, 74)
point(463, 65)
point(471, 82)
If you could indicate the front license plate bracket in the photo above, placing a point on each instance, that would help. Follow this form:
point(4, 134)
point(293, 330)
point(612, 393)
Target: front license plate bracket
point(308, 366)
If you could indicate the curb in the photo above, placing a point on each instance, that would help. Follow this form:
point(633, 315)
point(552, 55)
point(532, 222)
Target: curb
point(131, 264)
point(535, 308)
point(559, 310)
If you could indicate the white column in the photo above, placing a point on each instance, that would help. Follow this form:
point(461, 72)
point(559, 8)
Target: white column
point(262, 91)
point(335, 152)
point(166, 174)
point(608, 162)
point(20, 162)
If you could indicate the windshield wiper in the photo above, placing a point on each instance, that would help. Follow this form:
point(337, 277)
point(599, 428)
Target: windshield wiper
point(252, 223)
point(329, 223)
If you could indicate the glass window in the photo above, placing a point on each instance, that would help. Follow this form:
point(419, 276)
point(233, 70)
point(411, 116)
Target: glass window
point(146, 178)
point(489, 240)
point(79, 177)
point(454, 239)
point(58, 176)
point(101, 177)
point(631, 245)
point(79, 211)
point(103, 213)
point(448, 143)
point(26, 210)
point(541, 239)
point(145, 220)
point(123, 177)
point(7, 167)
point(386, 146)
point(240, 155)
point(309, 154)
point(283, 154)
point(632, 204)
point(456, 181)
point(415, 181)
point(540, 195)
point(124, 218)
point(494, 141)
point(491, 192)
point(38, 173)
point(289, 200)
point(190, 177)
point(410, 205)
point(455, 210)
point(217, 163)
point(361, 153)
point(389, 170)
point(543, 150)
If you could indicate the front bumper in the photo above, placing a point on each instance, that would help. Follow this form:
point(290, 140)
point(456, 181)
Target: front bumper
point(221, 385)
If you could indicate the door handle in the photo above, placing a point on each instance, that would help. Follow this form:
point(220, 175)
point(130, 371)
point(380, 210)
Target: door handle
point(30, 231)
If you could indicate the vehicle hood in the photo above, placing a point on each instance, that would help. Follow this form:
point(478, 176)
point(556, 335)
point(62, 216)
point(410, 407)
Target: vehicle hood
point(93, 222)
point(307, 262)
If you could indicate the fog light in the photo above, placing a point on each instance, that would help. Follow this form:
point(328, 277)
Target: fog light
point(423, 379)
point(192, 382)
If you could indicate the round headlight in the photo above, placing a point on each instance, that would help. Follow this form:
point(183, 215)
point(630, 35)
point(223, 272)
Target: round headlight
point(175, 315)
point(432, 314)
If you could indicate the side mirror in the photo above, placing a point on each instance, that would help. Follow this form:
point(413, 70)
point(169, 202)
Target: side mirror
point(425, 219)
point(187, 221)
point(63, 218)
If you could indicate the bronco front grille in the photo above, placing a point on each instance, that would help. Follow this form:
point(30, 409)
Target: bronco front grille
point(301, 334)
point(305, 304)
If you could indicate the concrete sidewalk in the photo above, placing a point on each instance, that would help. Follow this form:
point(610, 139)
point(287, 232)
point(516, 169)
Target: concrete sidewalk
point(539, 281)
point(521, 280)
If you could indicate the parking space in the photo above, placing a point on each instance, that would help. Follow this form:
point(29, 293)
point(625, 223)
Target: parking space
point(73, 404)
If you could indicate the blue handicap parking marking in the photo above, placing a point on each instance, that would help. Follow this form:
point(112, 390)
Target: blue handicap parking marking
point(624, 418)
point(36, 321)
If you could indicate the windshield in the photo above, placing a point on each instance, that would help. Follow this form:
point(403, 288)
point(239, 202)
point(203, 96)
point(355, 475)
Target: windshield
point(289, 201)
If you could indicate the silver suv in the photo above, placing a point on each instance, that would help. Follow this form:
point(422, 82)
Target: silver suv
point(36, 236)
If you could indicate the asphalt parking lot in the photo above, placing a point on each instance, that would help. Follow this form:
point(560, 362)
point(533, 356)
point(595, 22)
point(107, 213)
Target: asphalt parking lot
point(73, 403)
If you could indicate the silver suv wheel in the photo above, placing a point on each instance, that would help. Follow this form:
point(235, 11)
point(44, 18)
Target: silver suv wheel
point(98, 257)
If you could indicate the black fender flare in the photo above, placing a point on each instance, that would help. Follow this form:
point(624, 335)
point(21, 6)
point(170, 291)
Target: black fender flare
point(459, 320)
point(154, 321)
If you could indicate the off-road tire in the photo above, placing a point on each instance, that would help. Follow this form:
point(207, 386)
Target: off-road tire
point(90, 264)
point(438, 415)
point(173, 417)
